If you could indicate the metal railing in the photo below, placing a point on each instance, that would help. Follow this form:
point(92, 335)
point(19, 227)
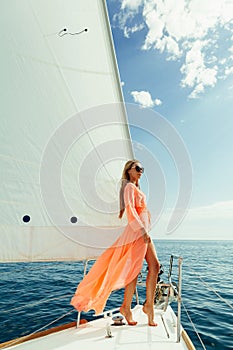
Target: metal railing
point(180, 260)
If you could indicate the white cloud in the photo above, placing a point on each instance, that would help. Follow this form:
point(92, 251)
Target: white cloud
point(188, 31)
point(130, 30)
point(155, 29)
point(170, 45)
point(226, 11)
point(222, 210)
point(157, 102)
point(214, 221)
point(197, 91)
point(131, 4)
point(229, 70)
point(144, 99)
point(129, 8)
point(196, 74)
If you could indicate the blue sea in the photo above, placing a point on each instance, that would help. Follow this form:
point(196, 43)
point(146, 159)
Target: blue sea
point(35, 294)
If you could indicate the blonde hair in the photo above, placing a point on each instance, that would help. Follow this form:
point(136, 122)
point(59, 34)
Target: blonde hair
point(124, 180)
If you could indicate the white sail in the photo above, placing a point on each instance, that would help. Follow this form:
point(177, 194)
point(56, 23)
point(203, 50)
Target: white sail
point(64, 133)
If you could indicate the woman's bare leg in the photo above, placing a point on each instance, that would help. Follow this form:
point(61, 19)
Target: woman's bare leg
point(151, 281)
point(125, 309)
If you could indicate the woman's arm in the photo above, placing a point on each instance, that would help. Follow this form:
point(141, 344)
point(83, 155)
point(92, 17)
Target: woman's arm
point(133, 218)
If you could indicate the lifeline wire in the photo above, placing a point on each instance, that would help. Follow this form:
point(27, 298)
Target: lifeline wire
point(35, 303)
point(40, 329)
point(212, 289)
point(193, 325)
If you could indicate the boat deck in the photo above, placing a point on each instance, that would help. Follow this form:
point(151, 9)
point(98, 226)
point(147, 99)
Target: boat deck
point(93, 335)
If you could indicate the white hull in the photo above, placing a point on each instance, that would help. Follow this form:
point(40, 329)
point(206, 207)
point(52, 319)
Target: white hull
point(92, 335)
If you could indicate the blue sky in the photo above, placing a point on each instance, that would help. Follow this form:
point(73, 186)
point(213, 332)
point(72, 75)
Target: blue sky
point(176, 58)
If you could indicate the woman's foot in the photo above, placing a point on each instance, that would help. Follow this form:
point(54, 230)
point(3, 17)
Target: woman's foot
point(128, 316)
point(149, 311)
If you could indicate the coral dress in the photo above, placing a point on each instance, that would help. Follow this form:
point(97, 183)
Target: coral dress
point(121, 262)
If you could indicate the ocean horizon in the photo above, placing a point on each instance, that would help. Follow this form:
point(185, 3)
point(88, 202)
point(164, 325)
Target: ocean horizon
point(35, 294)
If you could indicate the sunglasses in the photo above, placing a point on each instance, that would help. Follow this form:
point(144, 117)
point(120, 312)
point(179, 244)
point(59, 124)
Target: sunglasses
point(138, 168)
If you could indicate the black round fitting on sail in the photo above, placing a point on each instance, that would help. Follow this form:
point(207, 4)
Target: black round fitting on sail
point(26, 218)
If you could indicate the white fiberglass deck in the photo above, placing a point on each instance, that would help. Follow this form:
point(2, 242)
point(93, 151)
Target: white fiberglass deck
point(92, 335)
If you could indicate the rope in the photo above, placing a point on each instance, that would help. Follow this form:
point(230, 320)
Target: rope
point(212, 289)
point(193, 325)
point(40, 329)
point(65, 31)
point(35, 303)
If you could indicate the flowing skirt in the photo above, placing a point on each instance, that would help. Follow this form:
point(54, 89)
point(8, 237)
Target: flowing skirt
point(114, 269)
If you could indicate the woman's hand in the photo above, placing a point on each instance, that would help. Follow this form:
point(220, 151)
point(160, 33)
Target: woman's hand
point(147, 238)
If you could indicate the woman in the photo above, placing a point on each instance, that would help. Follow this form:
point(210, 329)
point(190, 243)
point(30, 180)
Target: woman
point(120, 264)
